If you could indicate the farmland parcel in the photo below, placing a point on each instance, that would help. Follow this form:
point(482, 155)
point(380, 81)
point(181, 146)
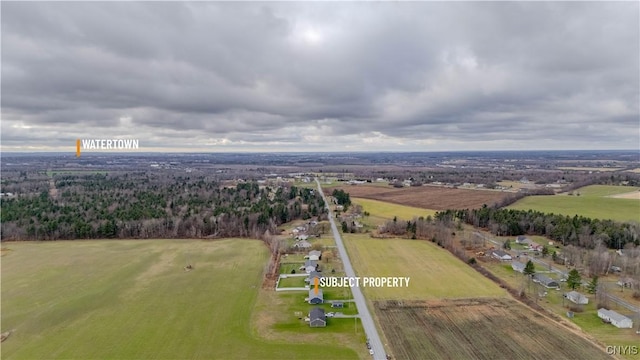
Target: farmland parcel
point(131, 299)
point(478, 329)
point(429, 197)
point(595, 201)
point(434, 272)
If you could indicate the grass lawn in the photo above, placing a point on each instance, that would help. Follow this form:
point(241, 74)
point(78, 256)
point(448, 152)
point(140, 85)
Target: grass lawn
point(129, 299)
point(435, 273)
point(593, 202)
point(606, 333)
point(381, 211)
point(279, 317)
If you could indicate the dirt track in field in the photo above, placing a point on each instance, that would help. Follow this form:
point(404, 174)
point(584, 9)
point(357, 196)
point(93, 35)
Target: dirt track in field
point(629, 195)
point(488, 328)
point(428, 197)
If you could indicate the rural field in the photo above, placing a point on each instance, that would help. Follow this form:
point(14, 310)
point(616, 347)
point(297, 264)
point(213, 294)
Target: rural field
point(595, 201)
point(435, 273)
point(428, 197)
point(132, 299)
point(478, 329)
point(382, 211)
point(586, 317)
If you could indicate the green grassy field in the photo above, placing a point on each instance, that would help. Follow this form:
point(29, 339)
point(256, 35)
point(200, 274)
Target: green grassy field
point(593, 202)
point(382, 211)
point(606, 190)
point(131, 299)
point(435, 273)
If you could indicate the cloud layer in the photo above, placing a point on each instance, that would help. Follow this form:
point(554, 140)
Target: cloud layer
point(322, 76)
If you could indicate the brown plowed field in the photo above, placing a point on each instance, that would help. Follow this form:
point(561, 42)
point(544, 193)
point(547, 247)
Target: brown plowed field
point(488, 328)
point(428, 197)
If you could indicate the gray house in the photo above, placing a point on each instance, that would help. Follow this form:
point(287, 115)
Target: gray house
point(518, 266)
point(546, 281)
point(521, 239)
point(310, 266)
point(315, 298)
point(317, 318)
point(313, 275)
point(576, 298)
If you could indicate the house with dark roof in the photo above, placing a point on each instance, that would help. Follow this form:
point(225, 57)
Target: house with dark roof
point(521, 239)
point(518, 266)
point(576, 298)
point(546, 281)
point(500, 255)
point(317, 318)
point(315, 298)
point(618, 320)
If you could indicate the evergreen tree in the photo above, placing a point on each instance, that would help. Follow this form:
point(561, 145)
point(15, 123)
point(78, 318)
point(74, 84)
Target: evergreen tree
point(507, 245)
point(529, 269)
point(345, 227)
point(545, 251)
point(574, 280)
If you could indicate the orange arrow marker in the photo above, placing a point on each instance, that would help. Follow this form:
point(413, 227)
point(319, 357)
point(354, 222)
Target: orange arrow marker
point(77, 147)
point(315, 283)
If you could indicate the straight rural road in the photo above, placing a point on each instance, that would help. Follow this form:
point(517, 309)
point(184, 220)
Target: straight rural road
point(361, 304)
point(564, 274)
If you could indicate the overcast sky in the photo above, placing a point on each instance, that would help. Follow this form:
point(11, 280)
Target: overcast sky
point(211, 76)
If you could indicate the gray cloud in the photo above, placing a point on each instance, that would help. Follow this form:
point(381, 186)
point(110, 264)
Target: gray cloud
point(322, 76)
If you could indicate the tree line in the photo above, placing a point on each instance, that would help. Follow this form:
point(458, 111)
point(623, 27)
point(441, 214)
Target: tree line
point(147, 205)
point(569, 230)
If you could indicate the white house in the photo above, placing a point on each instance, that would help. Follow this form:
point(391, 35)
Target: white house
point(500, 255)
point(576, 298)
point(617, 320)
